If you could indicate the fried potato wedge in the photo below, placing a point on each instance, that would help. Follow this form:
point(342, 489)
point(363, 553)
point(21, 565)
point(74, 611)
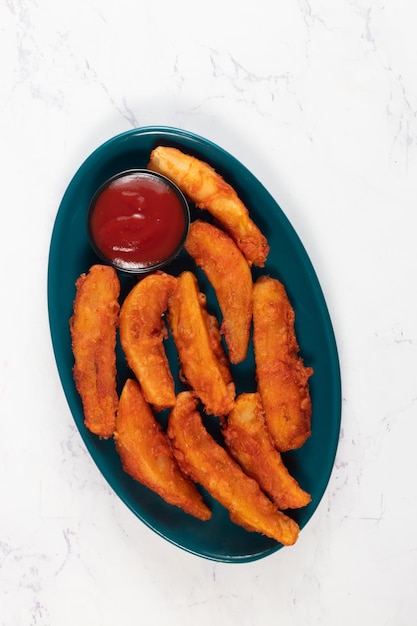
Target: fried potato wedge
point(281, 374)
point(229, 273)
point(146, 455)
point(93, 333)
point(210, 465)
point(250, 444)
point(203, 363)
point(208, 190)
point(142, 334)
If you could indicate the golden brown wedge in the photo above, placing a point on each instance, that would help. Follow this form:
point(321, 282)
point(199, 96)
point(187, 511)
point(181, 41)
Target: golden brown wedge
point(210, 465)
point(249, 442)
point(201, 356)
point(146, 454)
point(208, 190)
point(282, 376)
point(93, 332)
point(142, 334)
point(229, 273)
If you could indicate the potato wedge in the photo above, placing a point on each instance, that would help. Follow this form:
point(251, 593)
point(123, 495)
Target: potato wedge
point(210, 465)
point(142, 333)
point(229, 273)
point(208, 190)
point(201, 356)
point(281, 374)
point(146, 454)
point(250, 444)
point(93, 334)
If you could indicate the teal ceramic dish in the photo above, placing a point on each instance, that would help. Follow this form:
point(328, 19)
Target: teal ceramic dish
point(71, 254)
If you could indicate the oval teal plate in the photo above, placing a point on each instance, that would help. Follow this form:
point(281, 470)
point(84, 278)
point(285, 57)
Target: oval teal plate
point(70, 255)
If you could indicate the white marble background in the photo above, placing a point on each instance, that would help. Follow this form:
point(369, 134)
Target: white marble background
point(319, 99)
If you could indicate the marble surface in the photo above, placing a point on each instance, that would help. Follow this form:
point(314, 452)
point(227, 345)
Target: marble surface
point(319, 100)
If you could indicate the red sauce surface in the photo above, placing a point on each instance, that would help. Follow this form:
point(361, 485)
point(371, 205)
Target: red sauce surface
point(137, 221)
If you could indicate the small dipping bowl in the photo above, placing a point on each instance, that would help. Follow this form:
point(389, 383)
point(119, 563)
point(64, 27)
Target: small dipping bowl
point(138, 221)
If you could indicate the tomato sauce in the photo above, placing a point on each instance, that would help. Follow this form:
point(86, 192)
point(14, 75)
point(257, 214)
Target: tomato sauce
point(138, 221)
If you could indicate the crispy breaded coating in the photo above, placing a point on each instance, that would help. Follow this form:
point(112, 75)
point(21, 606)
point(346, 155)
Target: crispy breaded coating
point(146, 454)
point(249, 442)
point(208, 190)
point(201, 356)
point(229, 273)
point(210, 465)
point(281, 374)
point(142, 333)
point(93, 333)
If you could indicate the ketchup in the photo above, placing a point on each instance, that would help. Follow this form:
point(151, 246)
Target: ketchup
point(138, 220)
